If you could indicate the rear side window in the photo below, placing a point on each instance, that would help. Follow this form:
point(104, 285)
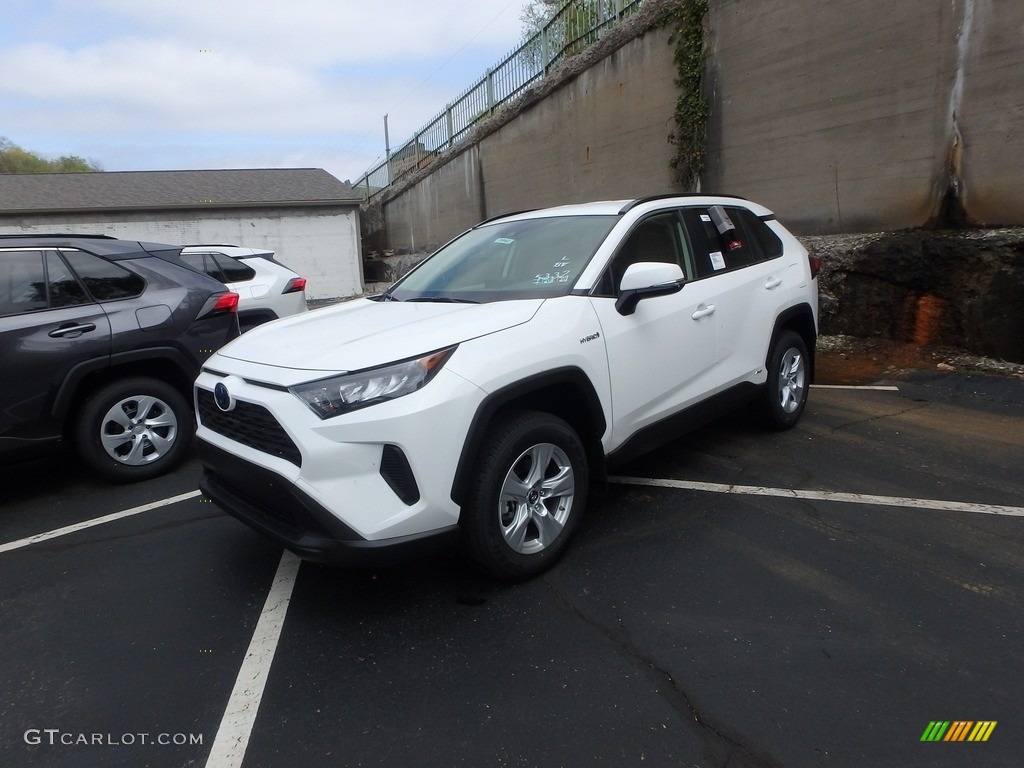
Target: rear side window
point(202, 263)
point(727, 238)
point(758, 231)
point(219, 267)
point(234, 270)
point(33, 280)
point(104, 280)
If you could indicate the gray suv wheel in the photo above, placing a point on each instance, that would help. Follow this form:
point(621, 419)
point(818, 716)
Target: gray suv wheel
point(134, 429)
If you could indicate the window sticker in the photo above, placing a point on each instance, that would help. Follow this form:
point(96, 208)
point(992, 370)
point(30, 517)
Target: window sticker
point(705, 217)
point(716, 260)
point(505, 240)
point(549, 279)
point(561, 264)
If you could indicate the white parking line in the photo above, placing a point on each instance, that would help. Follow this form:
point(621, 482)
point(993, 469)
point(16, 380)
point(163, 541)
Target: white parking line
point(236, 726)
point(849, 498)
point(95, 521)
point(870, 387)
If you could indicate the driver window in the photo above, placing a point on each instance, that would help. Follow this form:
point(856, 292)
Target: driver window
point(657, 238)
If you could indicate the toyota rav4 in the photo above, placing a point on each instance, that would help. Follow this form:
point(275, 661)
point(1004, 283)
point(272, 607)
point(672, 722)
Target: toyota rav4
point(100, 341)
point(266, 288)
point(479, 398)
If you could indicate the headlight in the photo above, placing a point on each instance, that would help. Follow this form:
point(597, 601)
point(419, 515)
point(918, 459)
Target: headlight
point(350, 391)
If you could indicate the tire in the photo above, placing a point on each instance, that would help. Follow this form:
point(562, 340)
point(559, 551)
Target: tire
point(785, 393)
point(520, 516)
point(134, 429)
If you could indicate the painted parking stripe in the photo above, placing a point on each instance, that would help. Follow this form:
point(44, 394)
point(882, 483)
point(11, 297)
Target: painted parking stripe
point(95, 521)
point(849, 498)
point(868, 387)
point(236, 726)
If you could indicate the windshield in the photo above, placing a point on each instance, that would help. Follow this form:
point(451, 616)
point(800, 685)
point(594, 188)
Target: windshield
point(529, 259)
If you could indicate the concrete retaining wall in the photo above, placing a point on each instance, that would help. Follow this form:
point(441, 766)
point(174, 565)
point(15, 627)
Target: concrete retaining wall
point(865, 116)
point(853, 117)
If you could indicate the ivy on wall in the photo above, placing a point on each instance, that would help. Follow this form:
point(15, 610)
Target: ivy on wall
point(686, 20)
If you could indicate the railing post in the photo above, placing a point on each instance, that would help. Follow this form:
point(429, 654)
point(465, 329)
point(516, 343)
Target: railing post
point(544, 57)
point(490, 90)
point(450, 125)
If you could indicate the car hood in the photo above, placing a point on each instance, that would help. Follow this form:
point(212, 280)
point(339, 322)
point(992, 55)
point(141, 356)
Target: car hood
point(363, 334)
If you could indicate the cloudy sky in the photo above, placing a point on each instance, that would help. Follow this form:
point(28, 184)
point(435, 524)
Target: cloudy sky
point(194, 84)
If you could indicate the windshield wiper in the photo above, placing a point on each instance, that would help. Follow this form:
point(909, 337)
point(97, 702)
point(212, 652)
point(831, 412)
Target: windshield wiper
point(443, 300)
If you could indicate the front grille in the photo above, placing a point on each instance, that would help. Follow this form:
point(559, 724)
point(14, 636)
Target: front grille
point(249, 424)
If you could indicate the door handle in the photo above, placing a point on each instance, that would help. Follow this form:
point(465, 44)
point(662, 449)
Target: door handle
point(773, 282)
point(72, 330)
point(708, 310)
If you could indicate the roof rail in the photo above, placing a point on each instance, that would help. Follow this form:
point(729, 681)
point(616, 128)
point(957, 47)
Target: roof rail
point(634, 203)
point(503, 215)
point(63, 235)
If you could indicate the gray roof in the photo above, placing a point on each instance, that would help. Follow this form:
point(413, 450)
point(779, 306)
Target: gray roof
point(156, 190)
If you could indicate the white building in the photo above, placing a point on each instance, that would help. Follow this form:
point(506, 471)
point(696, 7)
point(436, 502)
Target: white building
point(308, 217)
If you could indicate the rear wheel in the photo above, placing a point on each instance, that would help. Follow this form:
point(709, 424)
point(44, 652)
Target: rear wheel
point(134, 429)
point(785, 393)
point(528, 496)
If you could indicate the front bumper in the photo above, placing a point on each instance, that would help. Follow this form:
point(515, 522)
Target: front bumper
point(277, 508)
point(371, 486)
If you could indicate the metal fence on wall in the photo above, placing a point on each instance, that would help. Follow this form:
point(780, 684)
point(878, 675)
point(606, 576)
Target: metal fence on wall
point(574, 27)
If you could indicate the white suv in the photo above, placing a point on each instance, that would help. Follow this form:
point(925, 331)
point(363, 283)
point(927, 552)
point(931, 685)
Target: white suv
point(482, 395)
point(266, 288)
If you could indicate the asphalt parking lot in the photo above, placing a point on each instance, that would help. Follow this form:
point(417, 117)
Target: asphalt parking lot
point(818, 597)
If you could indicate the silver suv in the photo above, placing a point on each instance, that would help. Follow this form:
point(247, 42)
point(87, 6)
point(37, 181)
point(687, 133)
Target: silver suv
point(266, 288)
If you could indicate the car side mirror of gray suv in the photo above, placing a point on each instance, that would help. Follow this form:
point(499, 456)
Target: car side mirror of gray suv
point(645, 280)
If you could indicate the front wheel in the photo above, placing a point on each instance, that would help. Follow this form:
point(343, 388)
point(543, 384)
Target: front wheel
point(785, 393)
point(528, 495)
point(134, 429)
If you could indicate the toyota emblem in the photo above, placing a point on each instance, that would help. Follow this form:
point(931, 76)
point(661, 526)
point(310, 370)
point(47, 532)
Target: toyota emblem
point(222, 397)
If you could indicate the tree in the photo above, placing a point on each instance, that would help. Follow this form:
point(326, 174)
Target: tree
point(14, 159)
point(571, 26)
point(537, 13)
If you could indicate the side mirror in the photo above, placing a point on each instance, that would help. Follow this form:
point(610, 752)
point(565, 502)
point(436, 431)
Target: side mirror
point(645, 280)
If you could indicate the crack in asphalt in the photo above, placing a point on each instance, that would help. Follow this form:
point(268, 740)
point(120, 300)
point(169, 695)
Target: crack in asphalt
point(887, 415)
point(726, 751)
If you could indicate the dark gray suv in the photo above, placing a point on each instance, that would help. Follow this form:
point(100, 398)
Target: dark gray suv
point(100, 340)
